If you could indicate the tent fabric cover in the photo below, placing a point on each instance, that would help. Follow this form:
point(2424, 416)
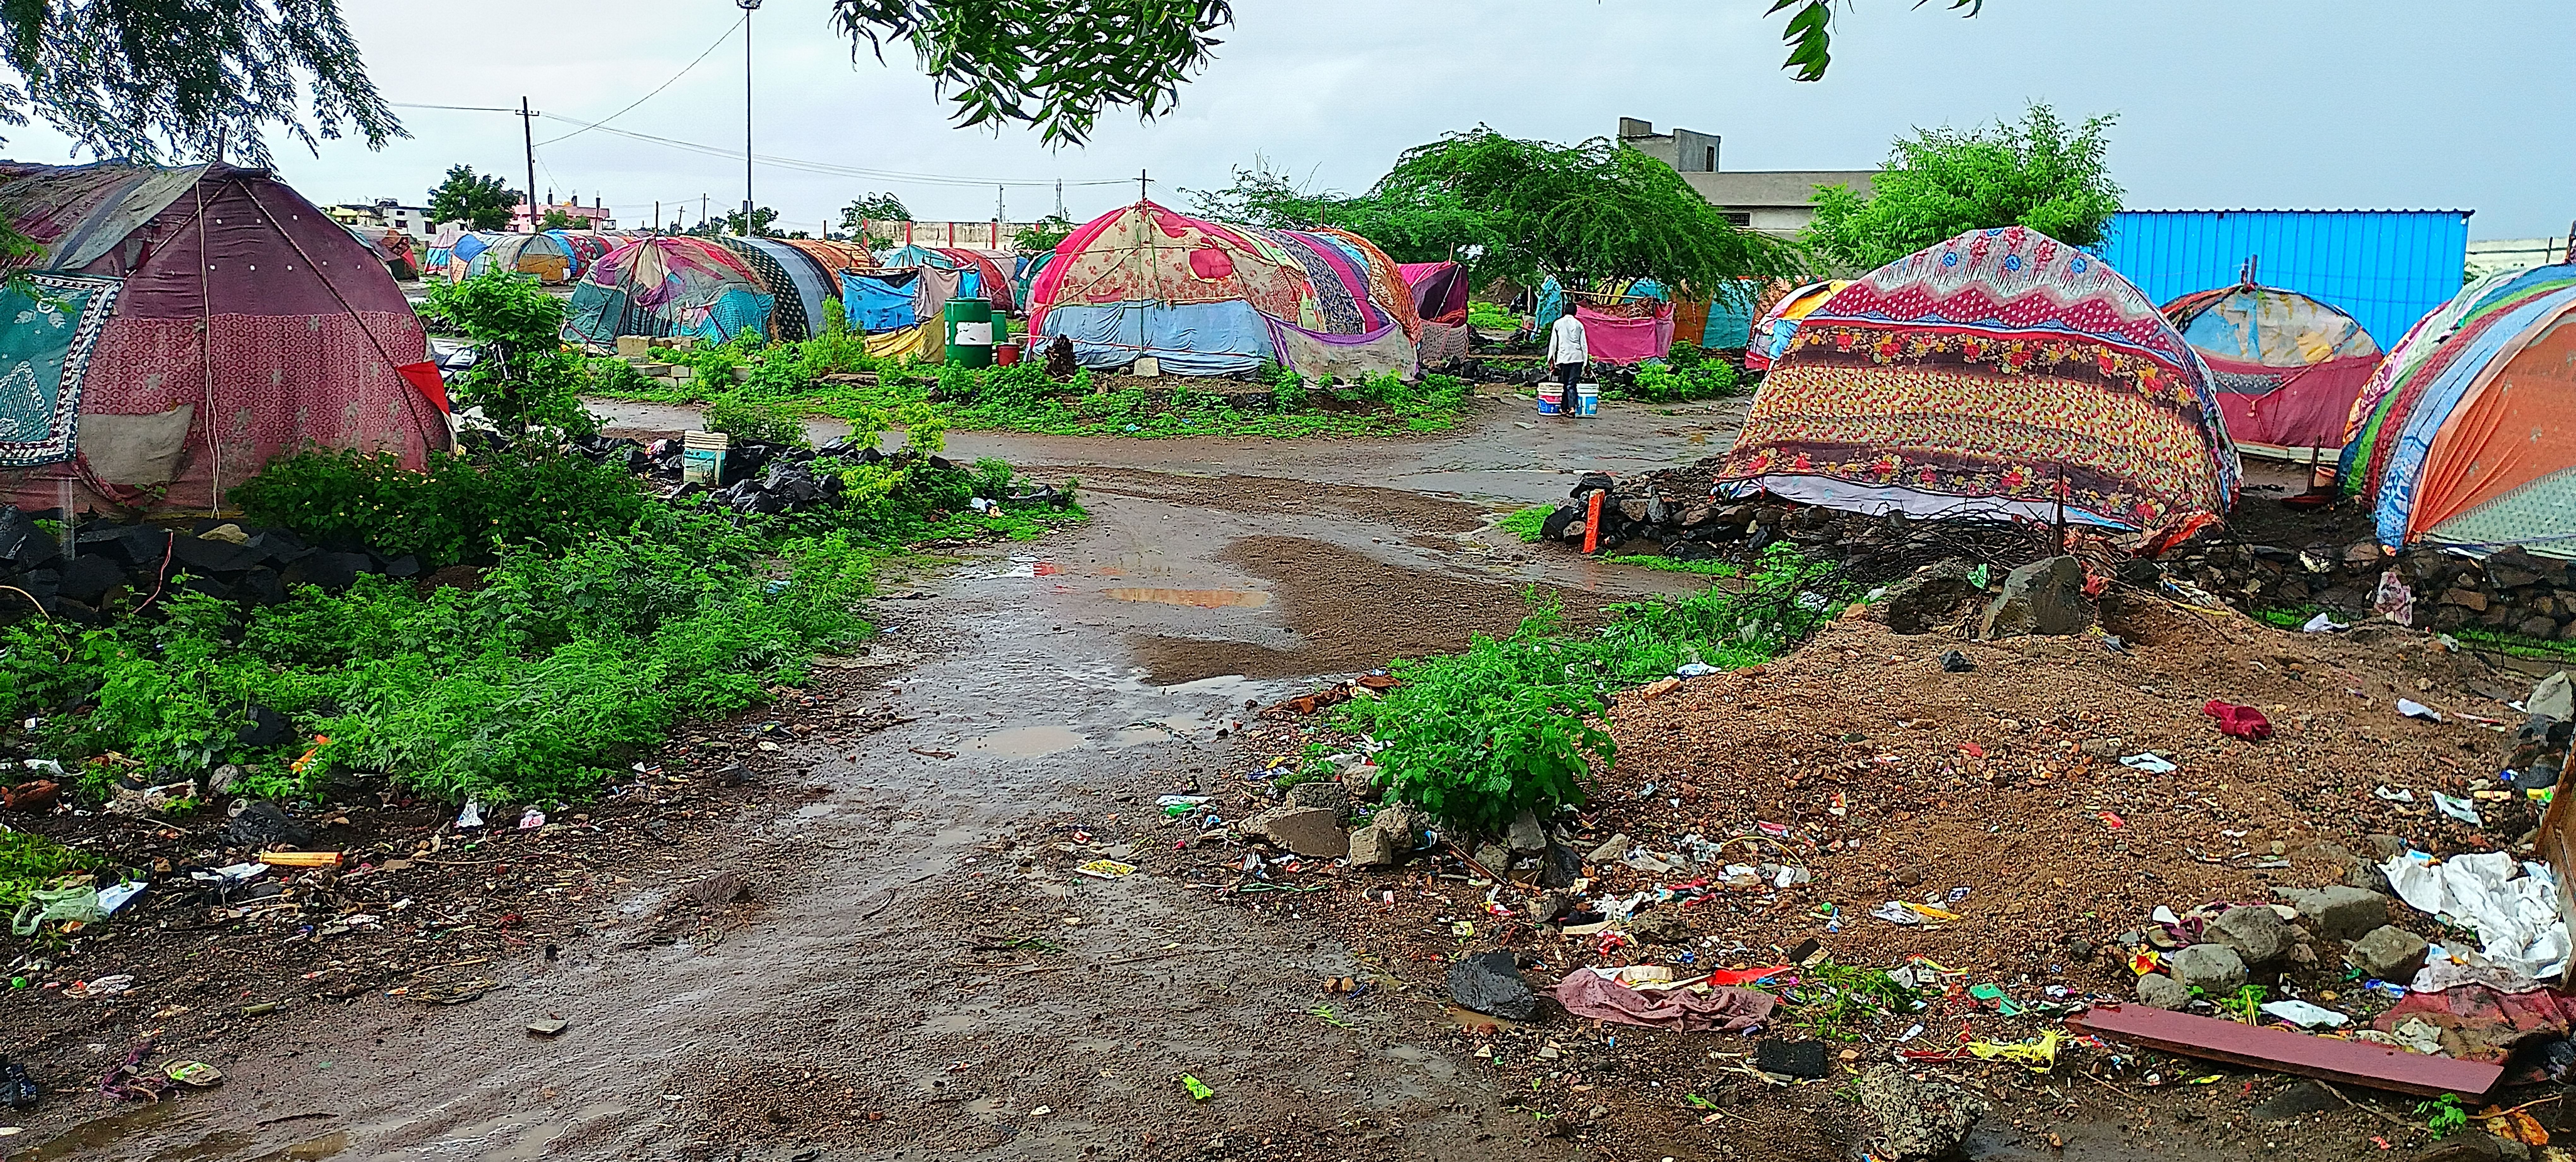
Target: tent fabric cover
point(2434, 344)
point(1769, 335)
point(1442, 345)
point(45, 361)
point(793, 278)
point(2286, 367)
point(1144, 258)
point(541, 255)
point(668, 286)
point(1322, 357)
point(921, 342)
point(1439, 290)
point(1971, 377)
point(585, 247)
point(879, 302)
point(246, 321)
point(1218, 338)
point(1625, 341)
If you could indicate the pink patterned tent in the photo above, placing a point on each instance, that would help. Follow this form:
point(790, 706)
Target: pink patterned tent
point(246, 323)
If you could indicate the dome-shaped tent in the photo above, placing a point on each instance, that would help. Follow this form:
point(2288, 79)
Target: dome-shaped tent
point(1204, 298)
point(668, 286)
point(187, 325)
point(541, 255)
point(585, 246)
point(2285, 367)
point(2467, 436)
point(1997, 374)
point(1771, 332)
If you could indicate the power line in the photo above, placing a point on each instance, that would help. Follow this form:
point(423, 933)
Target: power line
point(819, 167)
point(460, 108)
point(657, 91)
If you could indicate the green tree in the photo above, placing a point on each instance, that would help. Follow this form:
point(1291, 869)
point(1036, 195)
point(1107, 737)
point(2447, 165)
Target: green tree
point(874, 208)
point(151, 79)
point(762, 219)
point(1411, 223)
point(557, 219)
point(481, 201)
point(1583, 213)
point(1043, 235)
point(1055, 64)
point(1943, 182)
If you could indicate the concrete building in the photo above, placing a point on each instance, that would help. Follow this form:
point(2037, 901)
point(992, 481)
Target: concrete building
point(2496, 254)
point(1774, 201)
point(597, 212)
point(385, 212)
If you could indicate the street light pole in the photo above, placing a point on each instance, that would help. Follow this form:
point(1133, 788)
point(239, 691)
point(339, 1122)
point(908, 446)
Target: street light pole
point(748, 7)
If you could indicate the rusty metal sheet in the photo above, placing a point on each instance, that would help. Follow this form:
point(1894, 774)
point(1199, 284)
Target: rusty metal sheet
point(2281, 1050)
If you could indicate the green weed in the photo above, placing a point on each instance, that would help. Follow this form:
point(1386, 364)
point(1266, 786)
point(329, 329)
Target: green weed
point(1702, 568)
point(1526, 523)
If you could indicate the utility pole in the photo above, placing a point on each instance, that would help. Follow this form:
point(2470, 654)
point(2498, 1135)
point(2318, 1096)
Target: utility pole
point(1059, 199)
point(1140, 185)
point(528, 137)
point(657, 215)
point(748, 7)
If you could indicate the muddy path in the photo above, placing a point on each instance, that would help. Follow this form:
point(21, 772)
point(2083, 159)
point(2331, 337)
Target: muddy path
point(913, 973)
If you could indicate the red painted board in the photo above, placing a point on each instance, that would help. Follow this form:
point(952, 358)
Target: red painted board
point(2284, 1051)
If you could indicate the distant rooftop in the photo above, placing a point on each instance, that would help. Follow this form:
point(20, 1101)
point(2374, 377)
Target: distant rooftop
point(1747, 189)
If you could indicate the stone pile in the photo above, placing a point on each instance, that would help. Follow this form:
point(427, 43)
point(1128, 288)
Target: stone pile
point(219, 558)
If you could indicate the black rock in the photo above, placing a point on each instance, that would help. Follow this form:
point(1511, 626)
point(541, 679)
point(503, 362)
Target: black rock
point(1689, 551)
point(74, 611)
point(279, 548)
point(1591, 482)
point(199, 555)
point(332, 572)
point(1956, 662)
point(1554, 526)
point(1490, 983)
point(1559, 867)
point(407, 565)
point(260, 585)
point(1790, 1058)
point(88, 577)
point(265, 824)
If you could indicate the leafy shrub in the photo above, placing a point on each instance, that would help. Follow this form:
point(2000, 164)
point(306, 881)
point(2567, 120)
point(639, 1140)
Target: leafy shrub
point(738, 415)
point(523, 377)
point(1491, 317)
point(1657, 383)
point(460, 509)
point(1527, 523)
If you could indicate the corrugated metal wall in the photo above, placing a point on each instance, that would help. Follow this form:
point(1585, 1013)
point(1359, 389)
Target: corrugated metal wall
point(2386, 268)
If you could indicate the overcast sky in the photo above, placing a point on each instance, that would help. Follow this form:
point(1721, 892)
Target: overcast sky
point(2281, 104)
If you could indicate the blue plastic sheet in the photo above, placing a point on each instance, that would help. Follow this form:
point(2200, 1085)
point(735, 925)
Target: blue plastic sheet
point(2395, 504)
point(1187, 338)
point(877, 305)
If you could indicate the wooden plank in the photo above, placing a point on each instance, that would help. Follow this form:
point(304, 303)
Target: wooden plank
point(2284, 1051)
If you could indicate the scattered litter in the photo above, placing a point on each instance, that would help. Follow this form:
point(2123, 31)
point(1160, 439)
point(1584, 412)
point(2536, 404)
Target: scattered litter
point(2514, 908)
point(2460, 809)
point(194, 1073)
point(549, 1027)
point(2394, 599)
point(2393, 796)
point(2151, 764)
point(105, 986)
point(532, 820)
point(1105, 869)
point(2039, 1054)
point(73, 904)
point(1694, 670)
point(1198, 1090)
point(111, 899)
point(1598, 994)
point(1790, 1058)
point(1956, 663)
point(2414, 709)
point(1895, 912)
point(2305, 1015)
point(300, 858)
point(2324, 623)
point(471, 815)
point(1490, 983)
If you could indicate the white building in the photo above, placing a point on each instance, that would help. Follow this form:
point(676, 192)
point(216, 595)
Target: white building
point(2488, 257)
point(386, 212)
point(1775, 201)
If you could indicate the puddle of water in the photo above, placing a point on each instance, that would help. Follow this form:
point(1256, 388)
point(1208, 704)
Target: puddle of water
point(1202, 598)
point(1028, 742)
point(311, 1149)
point(111, 1132)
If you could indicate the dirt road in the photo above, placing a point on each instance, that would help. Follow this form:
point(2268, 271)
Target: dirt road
point(914, 979)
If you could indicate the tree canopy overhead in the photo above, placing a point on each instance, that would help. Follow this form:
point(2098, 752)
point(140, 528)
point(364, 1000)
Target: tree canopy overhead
point(1940, 183)
point(1054, 64)
point(1810, 32)
point(1525, 210)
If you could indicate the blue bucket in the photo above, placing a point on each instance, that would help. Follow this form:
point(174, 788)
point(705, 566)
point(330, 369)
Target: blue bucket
point(1551, 401)
point(1587, 399)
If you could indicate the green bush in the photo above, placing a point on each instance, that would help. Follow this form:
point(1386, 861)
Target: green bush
point(461, 509)
point(738, 415)
point(1528, 524)
point(523, 377)
point(1659, 383)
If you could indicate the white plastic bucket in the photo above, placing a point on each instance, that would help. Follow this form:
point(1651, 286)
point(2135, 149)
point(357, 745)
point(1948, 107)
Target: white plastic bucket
point(1587, 399)
point(1551, 400)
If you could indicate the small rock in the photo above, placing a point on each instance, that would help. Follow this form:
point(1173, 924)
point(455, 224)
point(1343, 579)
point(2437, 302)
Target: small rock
point(1405, 824)
point(1328, 794)
point(1372, 846)
point(1611, 849)
point(1956, 663)
point(2388, 846)
point(2389, 953)
point(2164, 992)
point(1495, 858)
point(1490, 983)
point(2473, 1146)
point(1920, 1117)
point(2104, 748)
point(1658, 928)
point(1526, 836)
point(2299, 1100)
point(2259, 935)
point(2211, 968)
point(549, 1027)
point(2369, 878)
point(2339, 912)
point(2043, 597)
point(1313, 832)
point(1547, 906)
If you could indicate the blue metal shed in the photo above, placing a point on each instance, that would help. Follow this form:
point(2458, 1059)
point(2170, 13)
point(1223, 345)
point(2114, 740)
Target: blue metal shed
point(2385, 268)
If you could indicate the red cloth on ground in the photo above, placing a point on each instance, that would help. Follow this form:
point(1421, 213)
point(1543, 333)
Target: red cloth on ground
point(1586, 993)
point(2238, 721)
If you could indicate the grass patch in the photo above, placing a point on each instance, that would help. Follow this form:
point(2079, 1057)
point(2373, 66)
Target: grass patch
point(1660, 564)
point(571, 661)
point(794, 378)
point(2516, 645)
point(1512, 724)
point(1833, 1001)
point(1527, 523)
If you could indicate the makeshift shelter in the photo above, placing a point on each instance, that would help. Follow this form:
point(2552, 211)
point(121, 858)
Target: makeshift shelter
point(798, 281)
point(1439, 290)
point(1999, 374)
point(990, 278)
point(1770, 333)
point(392, 247)
point(186, 325)
point(2285, 366)
point(2467, 436)
point(668, 286)
point(1629, 321)
point(542, 256)
point(1204, 298)
point(585, 247)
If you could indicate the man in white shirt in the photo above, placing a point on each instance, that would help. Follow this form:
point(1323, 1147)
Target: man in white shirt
point(1567, 355)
